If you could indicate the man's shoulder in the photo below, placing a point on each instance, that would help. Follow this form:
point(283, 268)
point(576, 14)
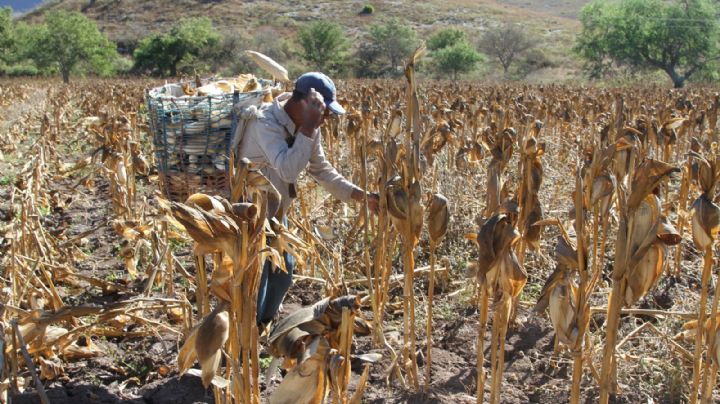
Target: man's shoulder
point(265, 119)
point(264, 111)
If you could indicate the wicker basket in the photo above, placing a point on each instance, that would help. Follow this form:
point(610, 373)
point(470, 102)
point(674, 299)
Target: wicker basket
point(192, 135)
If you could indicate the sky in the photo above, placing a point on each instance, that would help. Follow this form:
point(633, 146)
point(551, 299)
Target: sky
point(20, 5)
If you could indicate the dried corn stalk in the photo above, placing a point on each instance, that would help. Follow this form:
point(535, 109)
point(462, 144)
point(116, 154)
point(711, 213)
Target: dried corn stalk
point(406, 212)
point(437, 220)
point(239, 233)
point(637, 234)
point(705, 228)
point(501, 149)
point(315, 342)
point(499, 273)
point(560, 292)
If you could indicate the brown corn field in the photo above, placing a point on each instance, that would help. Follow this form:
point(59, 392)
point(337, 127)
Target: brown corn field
point(533, 244)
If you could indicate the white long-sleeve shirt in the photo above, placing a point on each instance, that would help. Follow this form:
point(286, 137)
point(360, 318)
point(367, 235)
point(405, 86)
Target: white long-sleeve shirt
point(264, 144)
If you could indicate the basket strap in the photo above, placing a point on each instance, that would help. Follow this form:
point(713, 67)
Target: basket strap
point(245, 115)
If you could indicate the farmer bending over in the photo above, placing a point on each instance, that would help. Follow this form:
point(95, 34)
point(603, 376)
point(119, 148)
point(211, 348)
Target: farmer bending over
point(283, 141)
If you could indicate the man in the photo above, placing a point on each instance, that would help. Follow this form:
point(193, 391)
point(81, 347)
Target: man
point(284, 140)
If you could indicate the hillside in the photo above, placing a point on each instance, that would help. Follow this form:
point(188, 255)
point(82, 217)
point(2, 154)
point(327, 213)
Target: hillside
point(552, 22)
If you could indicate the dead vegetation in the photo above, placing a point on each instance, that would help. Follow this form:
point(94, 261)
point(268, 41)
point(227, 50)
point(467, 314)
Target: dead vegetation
point(591, 189)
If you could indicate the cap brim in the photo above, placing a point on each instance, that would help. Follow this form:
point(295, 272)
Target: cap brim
point(336, 108)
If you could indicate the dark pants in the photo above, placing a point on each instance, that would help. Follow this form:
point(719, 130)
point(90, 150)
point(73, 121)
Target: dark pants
point(274, 284)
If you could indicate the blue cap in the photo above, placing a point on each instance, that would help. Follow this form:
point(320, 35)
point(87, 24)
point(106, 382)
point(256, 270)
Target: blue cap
point(323, 85)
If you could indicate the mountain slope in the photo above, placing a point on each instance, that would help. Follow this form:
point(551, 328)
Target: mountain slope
point(553, 23)
point(127, 18)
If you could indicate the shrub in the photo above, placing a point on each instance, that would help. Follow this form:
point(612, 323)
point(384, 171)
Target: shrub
point(22, 69)
point(534, 59)
point(367, 9)
point(456, 59)
point(180, 48)
point(446, 37)
point(324, 46)
point(394, 41)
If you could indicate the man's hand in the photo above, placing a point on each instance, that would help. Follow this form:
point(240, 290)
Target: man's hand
point(312, 114)
point(373, 199)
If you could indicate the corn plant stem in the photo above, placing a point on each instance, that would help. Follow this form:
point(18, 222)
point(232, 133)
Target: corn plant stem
point(203, 304)
point(254, 354)
point(259, 264)
point(431, 293)
point(385, 292)
point(697, 356)
point(153, 274)
point(387, 270)
point(14, 363)
point(594, 242)
point(234, 341)
point(482, 325)
point(409, 313)
point(581, 303)
point(29, 362)
point(27, 284)
point(239, 340)
point(57, 301)
point(379, 269)
point(248, 321)
point(712, 380)
point(346, 329)
point(170, 265)
point(131, 187)
point(245, 354)
point(608, 371)
point(366, 236)
point(428, 329)
point(500, 326)
point(704, 393)
point(313, 240)
point(683, 196)
point(12, 270)
point(601, 259)
point(522, 245)
point(625, 228)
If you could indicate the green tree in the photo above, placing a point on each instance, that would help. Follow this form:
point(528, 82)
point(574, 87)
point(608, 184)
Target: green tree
point(446, 37)
point(678, 37)
point(324, 46)
point(394, 41)
point(367, 61)
point(19, 58)
point(6, 29)
point(68, 41)
point(457, 58)
point(185, 43)
point(505, 44)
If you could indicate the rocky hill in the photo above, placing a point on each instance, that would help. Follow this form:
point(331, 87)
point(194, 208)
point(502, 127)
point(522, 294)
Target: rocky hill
point(131, 18)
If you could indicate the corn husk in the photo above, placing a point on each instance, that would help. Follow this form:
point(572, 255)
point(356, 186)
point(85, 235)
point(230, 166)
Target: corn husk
point(209, 340)
point(438, 217)
point(269, 65)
